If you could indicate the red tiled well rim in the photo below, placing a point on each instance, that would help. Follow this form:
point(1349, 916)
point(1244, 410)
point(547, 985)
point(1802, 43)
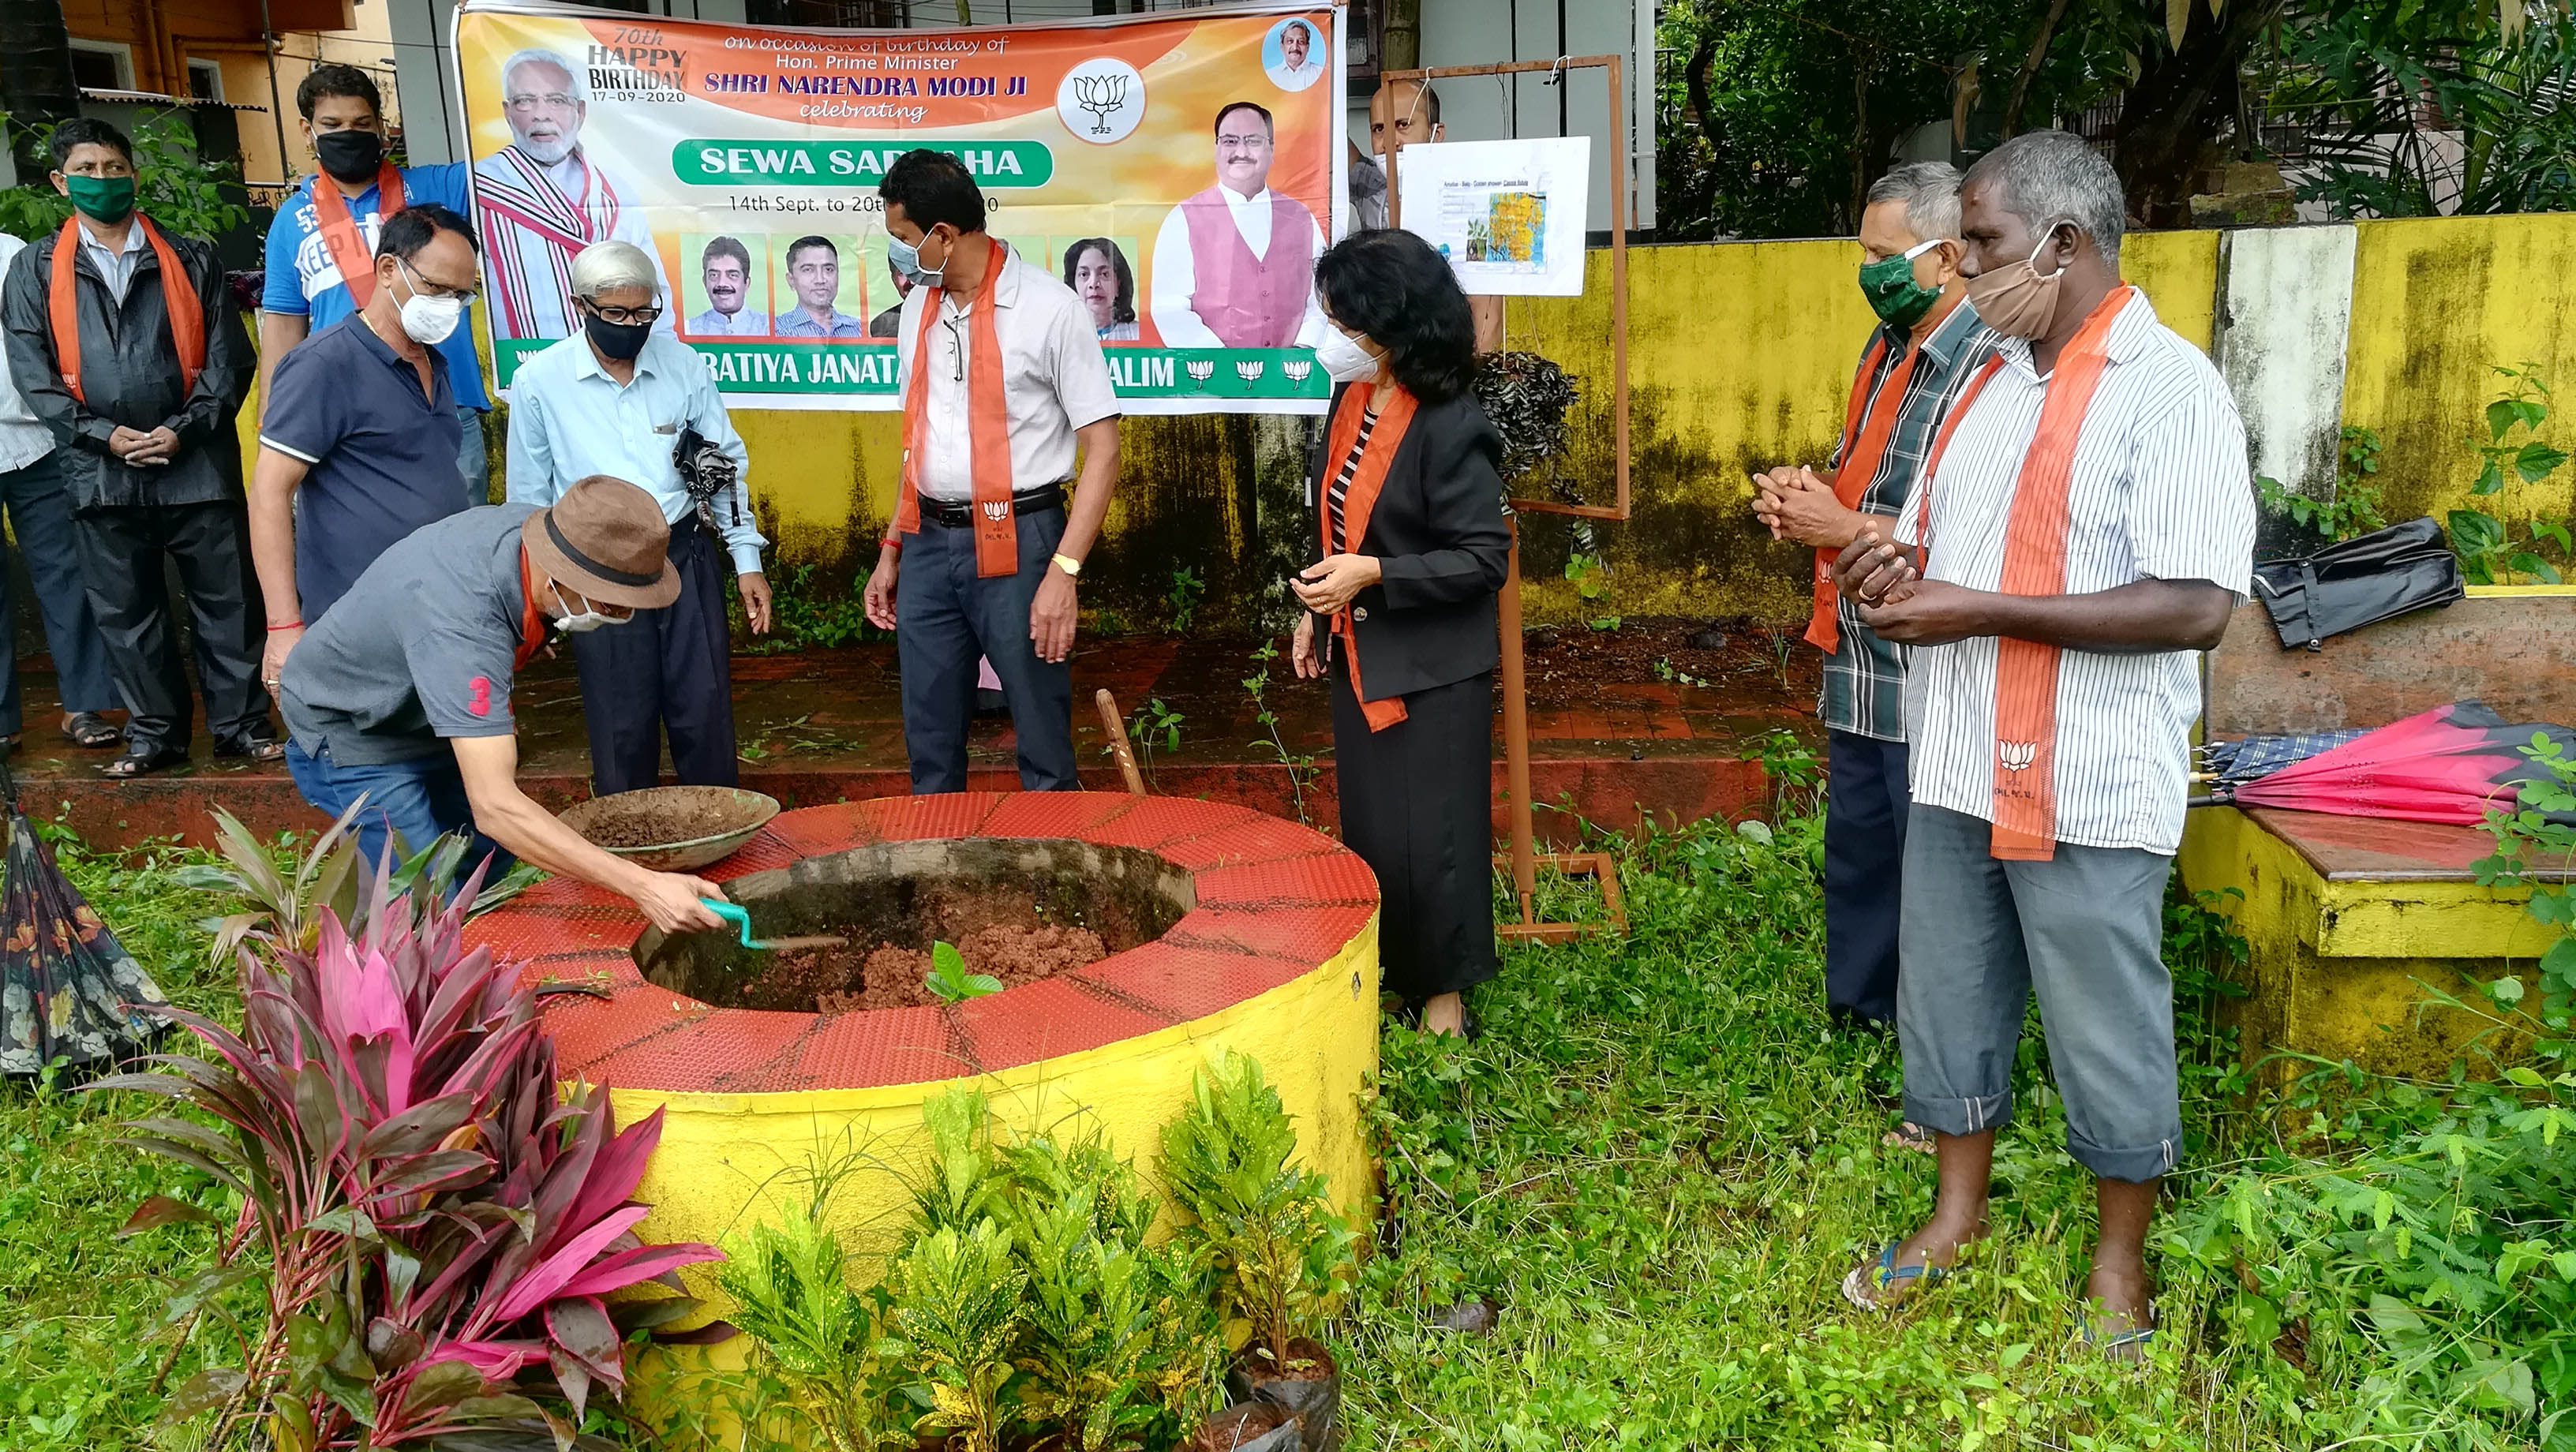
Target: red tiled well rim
point(1274, 901)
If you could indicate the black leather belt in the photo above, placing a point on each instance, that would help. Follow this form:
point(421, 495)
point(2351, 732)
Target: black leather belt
point(961, 515)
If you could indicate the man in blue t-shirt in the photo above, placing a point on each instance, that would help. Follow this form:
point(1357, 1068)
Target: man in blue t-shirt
point(319, 242)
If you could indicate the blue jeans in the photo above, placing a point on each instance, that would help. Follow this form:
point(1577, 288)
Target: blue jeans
point(413, 803)
point(472, 459)
point(40, 516)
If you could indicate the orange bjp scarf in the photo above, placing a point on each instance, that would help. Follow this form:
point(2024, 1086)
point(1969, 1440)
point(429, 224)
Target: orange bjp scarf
point(1393, 418)
point(997, 534)
point(340, 230)
point(2025, 798)
point(1863, 444)
point(178, 297)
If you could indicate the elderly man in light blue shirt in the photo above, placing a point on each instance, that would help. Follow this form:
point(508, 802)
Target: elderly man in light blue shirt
point(623, 399)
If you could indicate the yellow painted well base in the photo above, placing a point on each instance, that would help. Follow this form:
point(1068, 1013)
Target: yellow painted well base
point(727, 1160)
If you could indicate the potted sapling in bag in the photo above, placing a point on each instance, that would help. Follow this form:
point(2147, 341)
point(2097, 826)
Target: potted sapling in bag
point(1282, 1254)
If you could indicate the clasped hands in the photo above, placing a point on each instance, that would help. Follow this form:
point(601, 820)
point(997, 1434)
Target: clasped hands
point(1796, 504)
point(137, 447)
point(1881, 579)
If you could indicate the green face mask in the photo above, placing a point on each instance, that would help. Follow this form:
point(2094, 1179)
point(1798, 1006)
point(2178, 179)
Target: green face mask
point(1892, 291)
point(108, 199)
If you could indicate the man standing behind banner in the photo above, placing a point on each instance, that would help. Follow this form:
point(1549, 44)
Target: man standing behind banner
point(1917, 362)
point(1234, 266)
point(322, 247)
point(1002, 379)
point(539, 201)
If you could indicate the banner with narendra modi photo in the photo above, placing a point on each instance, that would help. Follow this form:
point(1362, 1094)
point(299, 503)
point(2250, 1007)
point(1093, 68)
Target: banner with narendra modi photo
point(1177, 172)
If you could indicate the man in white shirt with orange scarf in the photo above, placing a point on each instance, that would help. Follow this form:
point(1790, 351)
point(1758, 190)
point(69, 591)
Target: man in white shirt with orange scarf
point(2085, 524)
point(1002, 381)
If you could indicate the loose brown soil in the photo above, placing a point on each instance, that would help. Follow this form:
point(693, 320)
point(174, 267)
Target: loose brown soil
point(849, 979)
point(663, 819)
point(1236, 1425)
point(1567, 664)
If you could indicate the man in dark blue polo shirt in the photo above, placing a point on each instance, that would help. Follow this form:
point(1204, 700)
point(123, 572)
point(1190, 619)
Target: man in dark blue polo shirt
point(362, 426)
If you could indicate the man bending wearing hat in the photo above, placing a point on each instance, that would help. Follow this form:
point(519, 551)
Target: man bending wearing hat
point(402, 692)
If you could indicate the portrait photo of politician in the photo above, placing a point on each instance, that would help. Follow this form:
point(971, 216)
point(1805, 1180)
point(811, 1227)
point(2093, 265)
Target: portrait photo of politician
point(1294, 59)
point(814, 276)
point(1098, 273)
point(1234, 265)
point(731, 298)
point(541, 199)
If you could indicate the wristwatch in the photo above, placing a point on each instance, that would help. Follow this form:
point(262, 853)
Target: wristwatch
point(1072, 567)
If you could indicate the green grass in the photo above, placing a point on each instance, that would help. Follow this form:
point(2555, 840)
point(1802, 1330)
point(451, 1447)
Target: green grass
point(1659, 1161)
point(83, 1314)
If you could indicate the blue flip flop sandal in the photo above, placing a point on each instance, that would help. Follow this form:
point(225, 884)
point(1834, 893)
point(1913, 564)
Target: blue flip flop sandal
point(1868, 1286)
point(2132, 1345)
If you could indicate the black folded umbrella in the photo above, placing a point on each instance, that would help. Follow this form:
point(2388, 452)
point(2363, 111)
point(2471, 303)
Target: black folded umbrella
point(2381, 575)
point(69, 992)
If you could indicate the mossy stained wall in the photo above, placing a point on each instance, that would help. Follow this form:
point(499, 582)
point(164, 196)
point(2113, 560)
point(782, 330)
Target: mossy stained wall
point(1740, 356)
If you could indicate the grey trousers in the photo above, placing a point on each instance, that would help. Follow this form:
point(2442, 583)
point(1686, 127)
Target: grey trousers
point(2084, 930)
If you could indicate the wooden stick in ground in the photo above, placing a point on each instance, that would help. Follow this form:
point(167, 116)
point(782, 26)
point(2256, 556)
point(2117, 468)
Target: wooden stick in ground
point(1516, 736)
point(1116, 725)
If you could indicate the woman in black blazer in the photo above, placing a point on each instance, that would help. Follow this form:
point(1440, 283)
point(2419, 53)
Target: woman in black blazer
point(1409, 520)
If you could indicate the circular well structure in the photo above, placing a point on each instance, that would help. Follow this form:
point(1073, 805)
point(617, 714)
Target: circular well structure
point(1226, 929)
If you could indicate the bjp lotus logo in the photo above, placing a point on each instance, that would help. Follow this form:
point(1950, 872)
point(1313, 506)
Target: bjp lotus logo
point(1297, 369)
point(997, 511)
point(1249, 370)
point(2018, 755)
point(1101, 100)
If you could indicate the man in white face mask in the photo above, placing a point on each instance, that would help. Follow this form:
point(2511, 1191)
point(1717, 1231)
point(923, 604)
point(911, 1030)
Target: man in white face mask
point(362, 425)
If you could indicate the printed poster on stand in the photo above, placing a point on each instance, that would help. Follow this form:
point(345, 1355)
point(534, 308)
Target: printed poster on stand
point(1509, 215)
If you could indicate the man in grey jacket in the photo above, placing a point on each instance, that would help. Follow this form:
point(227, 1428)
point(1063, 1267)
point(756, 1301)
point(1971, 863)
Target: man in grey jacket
point(127, 344)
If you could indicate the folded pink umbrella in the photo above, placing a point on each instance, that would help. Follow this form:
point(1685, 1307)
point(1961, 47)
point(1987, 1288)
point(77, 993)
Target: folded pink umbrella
point(2451, 764)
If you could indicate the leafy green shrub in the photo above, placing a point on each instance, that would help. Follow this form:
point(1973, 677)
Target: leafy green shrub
point(1268, 1224)
point(958, 1313)
point(792, 1296)
point(1118, 1332)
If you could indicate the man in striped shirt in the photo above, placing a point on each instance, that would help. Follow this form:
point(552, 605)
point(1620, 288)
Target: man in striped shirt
point(2087, 523)
point(1922, 354)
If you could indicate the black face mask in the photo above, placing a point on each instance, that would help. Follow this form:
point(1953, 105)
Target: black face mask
point(352, 156)
point(620, 341)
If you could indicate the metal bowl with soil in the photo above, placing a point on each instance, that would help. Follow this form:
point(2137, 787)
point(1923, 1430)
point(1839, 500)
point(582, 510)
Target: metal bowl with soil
point(675, 828)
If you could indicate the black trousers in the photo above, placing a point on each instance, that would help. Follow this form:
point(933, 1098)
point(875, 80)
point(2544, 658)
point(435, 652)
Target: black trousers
point(668, 669)
point(1417, 806)
point(121, 554)
point(1865, 811)
point(946, 617)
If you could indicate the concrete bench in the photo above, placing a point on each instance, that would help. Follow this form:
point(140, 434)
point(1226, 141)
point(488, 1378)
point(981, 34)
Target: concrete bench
point(2350, 918)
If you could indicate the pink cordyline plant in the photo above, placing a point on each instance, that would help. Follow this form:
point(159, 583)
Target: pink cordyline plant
point(442, 1225)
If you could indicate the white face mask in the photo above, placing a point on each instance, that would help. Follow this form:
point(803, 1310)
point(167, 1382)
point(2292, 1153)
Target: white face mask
point(586, 620)
point(1346, 359)
point(428, 320)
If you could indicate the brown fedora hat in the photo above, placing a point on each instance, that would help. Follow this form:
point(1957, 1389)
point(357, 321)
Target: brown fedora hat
point(606, 541)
